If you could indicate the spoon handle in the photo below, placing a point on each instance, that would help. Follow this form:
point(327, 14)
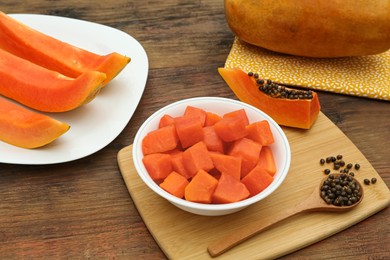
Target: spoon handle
point(311, 203)
point(249, 230)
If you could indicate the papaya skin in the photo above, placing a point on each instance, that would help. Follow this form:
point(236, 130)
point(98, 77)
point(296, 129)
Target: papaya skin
point(53, 54)
point(25, 128)
point(312, 28)
point(43, 89)
point(298, 113)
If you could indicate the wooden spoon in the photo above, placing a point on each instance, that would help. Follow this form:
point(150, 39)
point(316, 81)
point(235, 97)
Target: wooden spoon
point(313, 203)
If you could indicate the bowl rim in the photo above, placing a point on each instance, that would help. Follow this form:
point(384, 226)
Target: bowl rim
point(200, 206)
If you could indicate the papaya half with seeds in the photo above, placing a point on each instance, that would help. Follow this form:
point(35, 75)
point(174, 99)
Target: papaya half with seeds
point(53, 54)
point(24, 128)
point(320, 28)
point(288, 107)
point(43, 89)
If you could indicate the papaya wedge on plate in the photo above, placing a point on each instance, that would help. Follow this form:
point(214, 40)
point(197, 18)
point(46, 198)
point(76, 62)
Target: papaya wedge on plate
point(43, 89)
point(53, 54)
point(25, 128)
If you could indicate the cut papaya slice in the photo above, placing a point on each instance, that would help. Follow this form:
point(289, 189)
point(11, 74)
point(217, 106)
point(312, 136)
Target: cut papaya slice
point(43, 89)
point(53, 54)
point(286, 110)
point(24, 128)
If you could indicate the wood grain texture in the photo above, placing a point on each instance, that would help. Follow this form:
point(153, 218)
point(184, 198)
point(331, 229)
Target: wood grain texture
point(170, 225)
point(82, 209)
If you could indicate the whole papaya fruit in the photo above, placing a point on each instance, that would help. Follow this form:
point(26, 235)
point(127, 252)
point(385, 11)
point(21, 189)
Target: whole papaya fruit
point(312, 28)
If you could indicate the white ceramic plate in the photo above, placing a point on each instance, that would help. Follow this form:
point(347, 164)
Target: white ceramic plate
point(94, 125)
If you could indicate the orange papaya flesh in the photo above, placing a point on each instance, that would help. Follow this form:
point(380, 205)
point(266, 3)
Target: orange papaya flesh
point(267, 161)
point(53, 54)
point(43, 89)
point(25, 128)
point(299, 113)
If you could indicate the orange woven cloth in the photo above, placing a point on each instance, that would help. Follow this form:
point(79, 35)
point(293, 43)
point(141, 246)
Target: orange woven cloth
point(364, 76)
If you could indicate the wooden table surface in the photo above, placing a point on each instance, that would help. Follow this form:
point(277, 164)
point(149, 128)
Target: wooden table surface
point(82, 209)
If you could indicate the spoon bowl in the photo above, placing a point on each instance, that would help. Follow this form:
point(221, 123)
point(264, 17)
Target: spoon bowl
point(319, 204)
point(315, 202)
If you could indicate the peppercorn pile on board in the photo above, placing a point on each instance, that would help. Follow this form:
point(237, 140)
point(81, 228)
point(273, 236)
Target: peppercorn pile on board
point(171, 226)
point(364, 76)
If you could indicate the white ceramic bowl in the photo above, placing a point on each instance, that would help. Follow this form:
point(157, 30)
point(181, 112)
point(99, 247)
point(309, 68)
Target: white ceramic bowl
point(280, 148)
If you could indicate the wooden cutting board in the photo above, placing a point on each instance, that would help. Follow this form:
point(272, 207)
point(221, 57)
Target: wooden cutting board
point(183, 235)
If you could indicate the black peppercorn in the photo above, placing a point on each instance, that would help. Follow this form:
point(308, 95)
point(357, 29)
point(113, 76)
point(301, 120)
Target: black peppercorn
point(336, 166)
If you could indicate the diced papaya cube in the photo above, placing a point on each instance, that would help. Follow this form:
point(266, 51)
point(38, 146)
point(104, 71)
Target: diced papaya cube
point(238, 113)
point(249, 152)
point(212, 140)
point(229, 190)
point(189, 129)
point(201, 188)
point(266, 160)
point(231, 128)
point(166, 120)
point(227, 164)
point(160, 140)
point(197, 158)
point(211, 118)
point(257, 180)
point(178, 164)
point(158, 165)
point(196, 112)
point(175, 184)
point(260, 132)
